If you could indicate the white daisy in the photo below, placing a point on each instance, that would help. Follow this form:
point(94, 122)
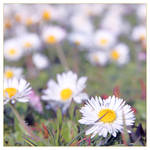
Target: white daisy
point(44, 62)
point(16, 90)
point(30, 41)
point(11, 72)
point(104, 39)
point(80, 39)
point(12, 50)
point(68, 87)
point(106, 116)
point(53, 34)
point(98, 58)
point(80, 23)
point(139, 33)
point(120, 54)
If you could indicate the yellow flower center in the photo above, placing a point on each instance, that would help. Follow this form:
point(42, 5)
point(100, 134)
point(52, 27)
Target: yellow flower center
point(142, 37)
point(46, 15)
point(27, 45)
point(66, 94)
point(96, 58)
point(7, 24)
point(12, 51)
point(108, 116)
point(29, 21)
point(115, 55)
point(9, 74)
point(103, 41)
point(10, 91)
point(18, 18)
point(51, 39)
point(77, 42)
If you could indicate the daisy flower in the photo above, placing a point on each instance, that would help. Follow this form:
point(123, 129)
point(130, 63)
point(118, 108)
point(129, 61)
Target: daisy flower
point(68, 87)
point(80, 23)
point(12, 50)
point(30, 41)
point(16, 90)
point(98, 58)
point(53, 34)
point(44, 62)
point(106, 116)
point(104, 39)
point(120, 54)
point(79, 39)
point(139, 33)
point(11, 72)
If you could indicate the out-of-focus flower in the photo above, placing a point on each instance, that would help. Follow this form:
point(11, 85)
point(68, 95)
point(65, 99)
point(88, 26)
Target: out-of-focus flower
point(53, 34)
point(30, 41)
point(141, 12)
point(34, 100)
point(68, 88)
point(80, 39)
point(142, 56)
point(80, 23)
point(139, 33)
point(16, 90)
point(91, 9)
point(120, 54)
point(98, 58)
point(40, 61)
point(11, 72)
point(115, 24)
point(106, 116)
point(104, 39)
point(12, 50)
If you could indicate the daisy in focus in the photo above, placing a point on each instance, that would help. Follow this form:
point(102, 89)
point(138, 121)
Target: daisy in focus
point(67, 88)
point(53, 34)
point(106, 116)
point(120, 54)
point(11, 72)
point(16, 90)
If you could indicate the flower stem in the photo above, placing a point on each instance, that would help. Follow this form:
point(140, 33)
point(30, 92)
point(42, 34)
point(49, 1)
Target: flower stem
point(62, 57)
point(76, 59)
point(22, 122)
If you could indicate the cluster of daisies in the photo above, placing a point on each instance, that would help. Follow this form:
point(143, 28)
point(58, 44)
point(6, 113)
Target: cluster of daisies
point(95, 28)
point(104, 116)
point(27, 34)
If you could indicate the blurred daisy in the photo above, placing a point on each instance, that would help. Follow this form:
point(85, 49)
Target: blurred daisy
point(141, 12)
point(30, 41)
point(106, 116)
point(79, 39)
point(80, 23)
point(53, 34)
point(120, 54)
point(16, 90)
point(98, 58)
point(12, 50)
point(68, 88)
point(139, 33)
point(44, 62)
point(11, 72)
point(104, 39)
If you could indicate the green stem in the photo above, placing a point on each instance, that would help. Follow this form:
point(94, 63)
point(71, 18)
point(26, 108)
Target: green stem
point(76, 59)
point(22, 122)
point(85, 130)
point(62, 57)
